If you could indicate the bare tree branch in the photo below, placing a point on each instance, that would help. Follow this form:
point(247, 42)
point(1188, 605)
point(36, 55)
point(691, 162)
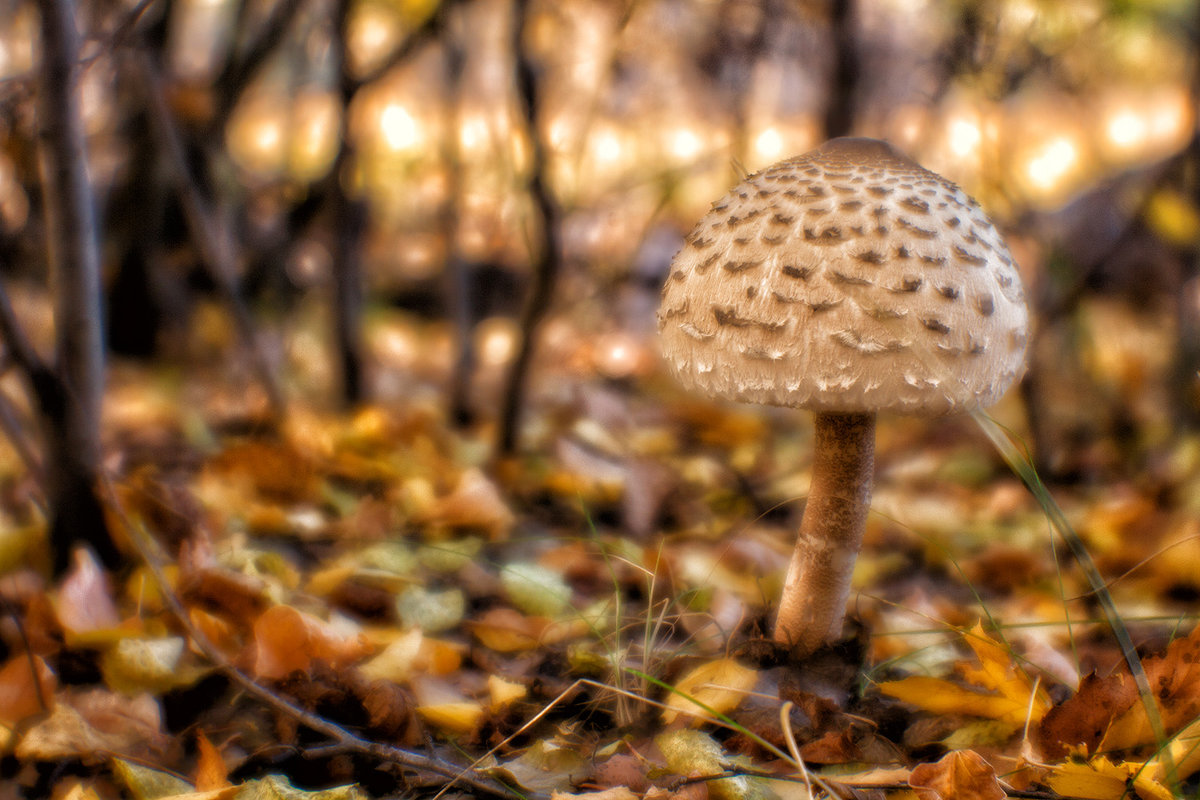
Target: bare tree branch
point(212, 241)
point(546, 251)
point(239, 71)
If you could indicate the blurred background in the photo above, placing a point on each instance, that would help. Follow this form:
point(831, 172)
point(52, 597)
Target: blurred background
point(366, 200)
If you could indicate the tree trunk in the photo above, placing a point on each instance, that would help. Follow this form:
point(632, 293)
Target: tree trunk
point(71, 410)
point(546, 251)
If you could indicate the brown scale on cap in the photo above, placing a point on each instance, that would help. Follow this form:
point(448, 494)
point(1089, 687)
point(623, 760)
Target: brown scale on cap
point(806, 271)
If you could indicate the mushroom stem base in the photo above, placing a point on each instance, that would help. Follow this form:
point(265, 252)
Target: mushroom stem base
point(818, 579)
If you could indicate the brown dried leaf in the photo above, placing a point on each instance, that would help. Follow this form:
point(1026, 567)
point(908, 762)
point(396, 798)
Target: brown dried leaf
point(622, 770)
point(1082, 719)
point(1175, 682)
point(274, 470)
point(961, 775)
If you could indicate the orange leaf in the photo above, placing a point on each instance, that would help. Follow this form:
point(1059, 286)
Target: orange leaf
point(1175, 682)
point(211, 772)
point(507, 630)
point(22, 690)
point(961, 775)
point(286, 640)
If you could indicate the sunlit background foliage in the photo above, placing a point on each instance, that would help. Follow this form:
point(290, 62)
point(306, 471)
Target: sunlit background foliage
point(1069, 121)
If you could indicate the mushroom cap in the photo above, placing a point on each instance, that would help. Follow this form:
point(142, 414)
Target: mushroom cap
point(847, 279)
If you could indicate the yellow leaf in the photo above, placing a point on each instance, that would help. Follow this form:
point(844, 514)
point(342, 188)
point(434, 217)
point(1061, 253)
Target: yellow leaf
point(946, 697)
point(1000, 674)
point(1100, 779)
point(1005, 693)
point(504, 692)
point(460, 717)
point(145, 783)
point(135, 665)
point(1185, 755)
point(719, 684)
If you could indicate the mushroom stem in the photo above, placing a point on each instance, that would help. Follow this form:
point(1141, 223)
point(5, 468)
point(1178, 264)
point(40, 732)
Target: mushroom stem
point(818, 579)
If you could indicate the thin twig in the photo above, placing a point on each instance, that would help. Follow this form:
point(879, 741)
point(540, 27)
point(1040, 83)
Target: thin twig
point(20, 349)
point(384, 752)
point(424, 34)
point(239, 71)
point(30, 657)
point(14, 431)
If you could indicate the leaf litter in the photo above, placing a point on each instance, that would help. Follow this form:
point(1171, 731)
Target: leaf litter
point(585, 623)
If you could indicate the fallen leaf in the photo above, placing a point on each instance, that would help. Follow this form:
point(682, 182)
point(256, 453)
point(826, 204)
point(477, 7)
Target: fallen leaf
point(459, 717)
point(691, 753)
point(286, 640)
point(211, 771)
point(85, 598)
point(475, 503)
point(89, 724)
point(503, 693)
point(536, 590)
point(275, 787)
point(1001, 691)
point(720, 685)
point(546, 766)
point(275, 470)
point(1174, 680)
point(27, 687)
point(444, 707)
point(507, 630)
point(960, 775)
point(1082, 719)
point(1101, 779)
point(145, 783)
point(431, 611)
point(135, 665)
point(1182, 756)
point(614, 793)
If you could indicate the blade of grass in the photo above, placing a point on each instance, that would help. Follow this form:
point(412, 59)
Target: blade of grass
point(1018, 460)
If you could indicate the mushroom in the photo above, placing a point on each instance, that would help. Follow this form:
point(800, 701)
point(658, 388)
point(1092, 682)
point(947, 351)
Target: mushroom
point(849, 281)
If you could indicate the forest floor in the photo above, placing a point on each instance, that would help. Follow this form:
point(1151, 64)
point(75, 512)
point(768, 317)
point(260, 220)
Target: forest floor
point(367, 604)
